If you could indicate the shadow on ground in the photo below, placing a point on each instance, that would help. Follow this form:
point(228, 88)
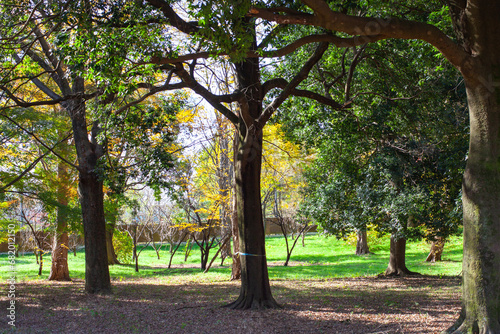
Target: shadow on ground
point(355, 305)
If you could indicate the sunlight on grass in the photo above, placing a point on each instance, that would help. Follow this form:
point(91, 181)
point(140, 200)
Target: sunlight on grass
point(320, 258)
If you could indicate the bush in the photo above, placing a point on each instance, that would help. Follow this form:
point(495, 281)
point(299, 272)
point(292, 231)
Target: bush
point(123, 245)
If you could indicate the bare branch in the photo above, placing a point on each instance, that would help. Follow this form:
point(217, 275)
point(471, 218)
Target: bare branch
point(21, 103)
point(152, 91)
point(32, 165)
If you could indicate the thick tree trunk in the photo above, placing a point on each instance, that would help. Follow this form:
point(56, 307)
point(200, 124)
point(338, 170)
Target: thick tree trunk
point(59, 270)
point(437, 247)
point(397, 258)
point(362, 243)
point(97, 279)
point(477, 24)
point(481, 198)
point(255, 289)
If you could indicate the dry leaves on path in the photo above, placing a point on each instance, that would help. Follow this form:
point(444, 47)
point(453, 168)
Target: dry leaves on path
point(351, 305)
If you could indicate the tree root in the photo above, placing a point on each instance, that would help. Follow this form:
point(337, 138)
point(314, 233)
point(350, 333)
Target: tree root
point(251, 303)
point(470, 326)
point(399, 273)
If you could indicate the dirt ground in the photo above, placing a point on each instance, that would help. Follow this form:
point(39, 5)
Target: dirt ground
point(353, 305)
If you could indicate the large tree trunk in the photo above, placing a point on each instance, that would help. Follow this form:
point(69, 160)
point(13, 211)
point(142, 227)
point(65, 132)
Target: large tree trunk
point(481, 183)
point(481, 198)
point(362, 243)
point(59, 270)
point(397, 258)
point(97, 279)
point(255, 289)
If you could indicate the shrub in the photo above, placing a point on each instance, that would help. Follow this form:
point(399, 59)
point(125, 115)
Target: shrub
point(123, 245)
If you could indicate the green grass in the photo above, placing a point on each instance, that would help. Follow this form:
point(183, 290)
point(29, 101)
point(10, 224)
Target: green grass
point(321, 258)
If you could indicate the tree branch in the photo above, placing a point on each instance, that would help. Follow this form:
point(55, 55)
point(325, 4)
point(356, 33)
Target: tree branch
point(329, 38)
point(50, 149)
point(21, 103)
point(282, 83)
point(152, 90)
point(366, 29)
point(214, 100)
point(287, 91)
point(174, 19)
point(31, 166)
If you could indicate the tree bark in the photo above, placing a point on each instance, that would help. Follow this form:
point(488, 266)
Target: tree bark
point(362, 243)
point(59, 270)
point(224, 180)
point(236, 266)
point(255, 289)
point(436, 251)
point(397, 258)
point(481, 195)
point(97, 279)
point(110, 249)
point(476, 20)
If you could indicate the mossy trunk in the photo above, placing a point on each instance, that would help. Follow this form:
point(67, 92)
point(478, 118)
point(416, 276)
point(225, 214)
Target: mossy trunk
point(477, 23)
point(481, 198)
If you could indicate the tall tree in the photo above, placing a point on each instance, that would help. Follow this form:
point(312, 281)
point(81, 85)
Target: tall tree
point(31, 43)
point(226, 30)
point(475, 53)
point(47, 178)
point(54, 47)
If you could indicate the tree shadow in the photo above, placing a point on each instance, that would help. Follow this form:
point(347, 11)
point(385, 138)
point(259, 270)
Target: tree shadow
point(358, 305)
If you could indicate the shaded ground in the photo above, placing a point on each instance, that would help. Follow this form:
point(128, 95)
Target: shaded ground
point(354, 305)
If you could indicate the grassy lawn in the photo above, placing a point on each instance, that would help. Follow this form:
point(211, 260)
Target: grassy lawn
point(321, 257)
